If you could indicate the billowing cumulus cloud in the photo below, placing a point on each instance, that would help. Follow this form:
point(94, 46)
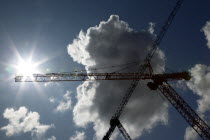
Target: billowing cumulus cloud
point(23, 121)
point(78, 136)
point(113, 42)
point(199, 84)
point(206, 30)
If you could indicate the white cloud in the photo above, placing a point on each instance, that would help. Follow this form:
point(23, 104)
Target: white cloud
point(206, 30)
point(113, 42)
point(78, 136)
point(52, 138)
point(151, 27)
point(52, 99)
point(22, 121)
point(190, 134)
point(64, 104)
point(51, 84)
point(199, 84)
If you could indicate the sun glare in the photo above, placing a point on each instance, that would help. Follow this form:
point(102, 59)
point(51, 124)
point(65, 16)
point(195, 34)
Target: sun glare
point(26, 68)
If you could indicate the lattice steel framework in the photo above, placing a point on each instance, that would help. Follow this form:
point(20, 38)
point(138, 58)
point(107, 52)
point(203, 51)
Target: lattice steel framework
point(142, 69)
point(185, 110)
point(59, 77)
point(159, 82)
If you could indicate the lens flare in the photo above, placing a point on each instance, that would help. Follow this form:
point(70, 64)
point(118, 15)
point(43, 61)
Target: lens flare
point(26, 68)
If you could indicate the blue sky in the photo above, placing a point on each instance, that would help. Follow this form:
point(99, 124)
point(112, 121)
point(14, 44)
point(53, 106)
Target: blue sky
point(46, 28)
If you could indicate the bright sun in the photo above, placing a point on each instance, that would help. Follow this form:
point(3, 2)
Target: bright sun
point(26, 68)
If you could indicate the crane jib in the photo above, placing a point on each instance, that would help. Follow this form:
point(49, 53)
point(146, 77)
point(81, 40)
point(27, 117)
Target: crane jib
point(56, 77)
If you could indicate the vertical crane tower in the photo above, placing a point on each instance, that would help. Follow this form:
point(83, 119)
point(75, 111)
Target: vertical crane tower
point(159, 82)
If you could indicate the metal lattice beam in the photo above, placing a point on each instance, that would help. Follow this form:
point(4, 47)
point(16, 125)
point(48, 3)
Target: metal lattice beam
point(185, 110)
point(58, 77)
point(143, 68)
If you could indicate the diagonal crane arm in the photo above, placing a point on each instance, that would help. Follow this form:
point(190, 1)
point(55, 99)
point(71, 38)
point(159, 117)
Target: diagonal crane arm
point(181, 106)
point(123, 131)
point(143, 68)
point(117, 123)
point(185, 110)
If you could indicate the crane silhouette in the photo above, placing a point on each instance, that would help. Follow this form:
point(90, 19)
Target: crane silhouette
point(145, 71)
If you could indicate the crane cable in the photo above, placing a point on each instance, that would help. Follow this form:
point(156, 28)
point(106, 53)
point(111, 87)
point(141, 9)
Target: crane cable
point(128, 65)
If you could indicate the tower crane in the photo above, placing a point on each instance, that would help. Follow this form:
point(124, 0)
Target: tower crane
point(181, 106)
point(159, 82)
point(142, 69)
